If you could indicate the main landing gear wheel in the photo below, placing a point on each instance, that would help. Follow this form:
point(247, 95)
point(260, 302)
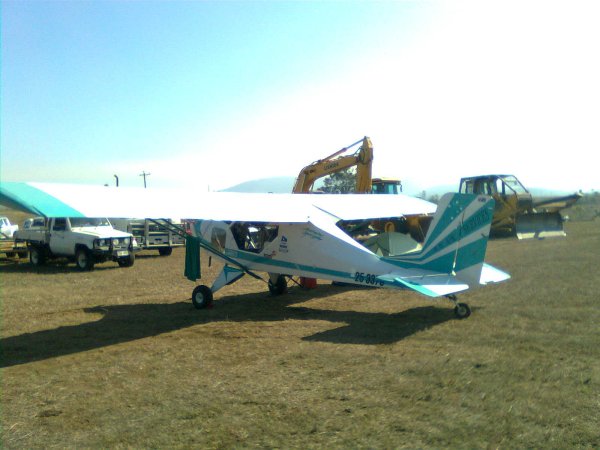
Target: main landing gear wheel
point(462, 310)
point(279, 287)
point(202, 297)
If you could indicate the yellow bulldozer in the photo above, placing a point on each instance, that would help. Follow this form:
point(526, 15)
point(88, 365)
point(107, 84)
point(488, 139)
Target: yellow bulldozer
point(517, 212)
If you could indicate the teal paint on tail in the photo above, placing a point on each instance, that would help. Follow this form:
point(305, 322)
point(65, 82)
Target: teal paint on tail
point(457, 237)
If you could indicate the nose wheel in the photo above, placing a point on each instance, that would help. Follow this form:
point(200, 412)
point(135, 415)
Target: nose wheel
point(202, 297)
point(461, 310)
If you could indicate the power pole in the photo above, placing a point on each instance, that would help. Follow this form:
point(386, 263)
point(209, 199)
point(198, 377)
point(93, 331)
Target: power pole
point(144, 174)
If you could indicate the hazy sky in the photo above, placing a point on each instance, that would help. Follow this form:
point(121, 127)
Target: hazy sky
point(210, 94)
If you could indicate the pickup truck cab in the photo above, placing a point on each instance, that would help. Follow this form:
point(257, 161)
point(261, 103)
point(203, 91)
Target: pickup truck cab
point(84, 240)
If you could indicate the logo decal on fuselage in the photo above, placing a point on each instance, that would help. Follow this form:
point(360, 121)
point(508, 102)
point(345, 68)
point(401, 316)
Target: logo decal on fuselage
point(283, 247)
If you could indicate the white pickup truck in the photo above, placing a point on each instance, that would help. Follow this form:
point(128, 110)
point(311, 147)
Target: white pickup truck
point(83, 240)
point(6, 228)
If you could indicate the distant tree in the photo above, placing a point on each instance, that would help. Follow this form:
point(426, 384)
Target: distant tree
point(341, 182)
point(434, 198)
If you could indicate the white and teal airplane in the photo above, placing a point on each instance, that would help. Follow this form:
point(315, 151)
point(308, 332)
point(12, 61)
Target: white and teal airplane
point(312, 236)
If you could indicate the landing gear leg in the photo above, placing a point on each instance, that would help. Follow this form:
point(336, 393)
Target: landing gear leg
point(202, 296)
point(461, 310)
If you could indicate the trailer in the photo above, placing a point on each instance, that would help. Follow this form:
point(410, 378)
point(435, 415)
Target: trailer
point(152, 234)
point(11, 248)
point(8, 245)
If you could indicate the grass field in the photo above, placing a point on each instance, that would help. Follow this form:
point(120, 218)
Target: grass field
point(119, 358)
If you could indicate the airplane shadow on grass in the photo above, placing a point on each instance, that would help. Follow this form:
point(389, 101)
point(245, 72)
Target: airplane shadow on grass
point(124, 323)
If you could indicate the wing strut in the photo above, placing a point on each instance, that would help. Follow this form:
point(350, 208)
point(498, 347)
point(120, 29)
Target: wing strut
point(180, 231)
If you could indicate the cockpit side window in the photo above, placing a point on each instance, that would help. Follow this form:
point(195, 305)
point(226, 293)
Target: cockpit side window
point(252, 236)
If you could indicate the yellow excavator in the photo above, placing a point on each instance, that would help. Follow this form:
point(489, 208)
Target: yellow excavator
point(362, 158)
point(517, 212)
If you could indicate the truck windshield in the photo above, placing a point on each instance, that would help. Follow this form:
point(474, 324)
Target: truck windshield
point(514, 184)
point(77, 222)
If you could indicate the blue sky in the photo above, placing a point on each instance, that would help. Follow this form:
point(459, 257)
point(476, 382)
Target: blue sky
point(210, 94)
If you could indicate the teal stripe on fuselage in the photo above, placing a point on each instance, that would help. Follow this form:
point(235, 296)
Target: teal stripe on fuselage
point(258, 259)
point(468, 255)
point(28, 198)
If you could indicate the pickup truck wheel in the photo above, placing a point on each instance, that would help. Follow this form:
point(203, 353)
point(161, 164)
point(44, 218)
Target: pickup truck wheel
point(84, 259)
point(126, 262)
point(36, 256)
point(166, 251)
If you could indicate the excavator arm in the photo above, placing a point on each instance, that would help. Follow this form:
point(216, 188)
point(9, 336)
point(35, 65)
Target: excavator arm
point(362, 159)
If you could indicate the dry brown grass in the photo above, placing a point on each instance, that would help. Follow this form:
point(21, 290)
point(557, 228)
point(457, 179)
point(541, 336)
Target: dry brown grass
point(119, 358)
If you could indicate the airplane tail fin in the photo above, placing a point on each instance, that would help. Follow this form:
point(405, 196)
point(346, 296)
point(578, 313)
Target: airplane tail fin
point(454, 247)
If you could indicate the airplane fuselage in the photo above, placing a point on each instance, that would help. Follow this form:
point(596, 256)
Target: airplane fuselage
point(285, 249)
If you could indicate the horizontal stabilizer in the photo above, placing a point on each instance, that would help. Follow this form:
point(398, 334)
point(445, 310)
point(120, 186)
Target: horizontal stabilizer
point(433, 286)
point(489, 274)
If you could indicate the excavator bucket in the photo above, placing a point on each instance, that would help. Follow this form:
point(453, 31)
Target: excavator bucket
point(539, 225)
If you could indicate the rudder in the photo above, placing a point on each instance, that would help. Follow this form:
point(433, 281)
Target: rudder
point(456, 241)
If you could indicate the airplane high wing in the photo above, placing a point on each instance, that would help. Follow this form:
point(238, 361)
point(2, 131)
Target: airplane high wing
point(68, 200)
point(328, 237)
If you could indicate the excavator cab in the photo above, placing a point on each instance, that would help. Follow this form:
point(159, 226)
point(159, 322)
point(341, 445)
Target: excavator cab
point(386, 186)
